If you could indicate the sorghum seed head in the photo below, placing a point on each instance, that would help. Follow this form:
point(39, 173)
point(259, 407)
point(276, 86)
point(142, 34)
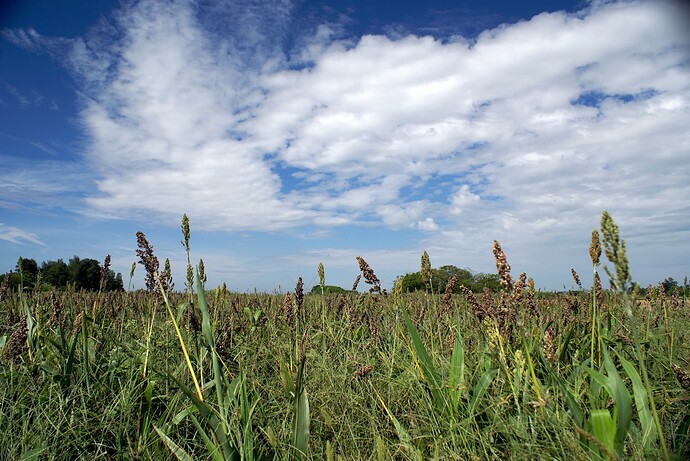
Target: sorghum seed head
point(425, 267)
point(356, 282)
point(185, 231)
point(683, 377)
point(576, 277)
point(595, 248)
point(321, 273)
point(502, 267)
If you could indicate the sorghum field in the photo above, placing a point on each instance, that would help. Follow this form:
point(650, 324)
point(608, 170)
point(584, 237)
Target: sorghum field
point(210, 374)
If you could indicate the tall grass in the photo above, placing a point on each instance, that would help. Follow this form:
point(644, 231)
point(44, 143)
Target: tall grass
point(517, 375)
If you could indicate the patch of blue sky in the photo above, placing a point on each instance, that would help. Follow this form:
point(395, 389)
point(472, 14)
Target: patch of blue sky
point(595, 98)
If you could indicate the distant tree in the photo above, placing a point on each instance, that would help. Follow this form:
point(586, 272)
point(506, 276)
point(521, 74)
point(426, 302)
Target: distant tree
point(444, 273)
point(114, 282)
point(84, 273)
point(328, 289)
point(482, 280)
point(439, 278)
point(27, 271)
point(411, 282)
point(28, 266)
point(669, 284)
point(55, 273)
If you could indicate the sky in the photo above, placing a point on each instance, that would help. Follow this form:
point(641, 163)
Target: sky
point(293, 133)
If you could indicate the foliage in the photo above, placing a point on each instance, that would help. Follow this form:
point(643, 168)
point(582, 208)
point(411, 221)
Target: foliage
point(328, 289)
point(83, 274)
point(476, 282)
point(413, 376)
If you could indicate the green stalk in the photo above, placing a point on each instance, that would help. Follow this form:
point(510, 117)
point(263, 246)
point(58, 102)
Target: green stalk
point(595, 323)
point(179, 337)
point(645, 377)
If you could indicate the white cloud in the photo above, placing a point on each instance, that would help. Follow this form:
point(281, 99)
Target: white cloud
point(17, 235)
point(534, 127)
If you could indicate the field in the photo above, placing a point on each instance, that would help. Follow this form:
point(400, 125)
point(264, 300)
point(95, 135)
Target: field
point(210, 374)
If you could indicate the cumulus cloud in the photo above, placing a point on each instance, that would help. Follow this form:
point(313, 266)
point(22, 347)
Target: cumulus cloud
point(527, 130)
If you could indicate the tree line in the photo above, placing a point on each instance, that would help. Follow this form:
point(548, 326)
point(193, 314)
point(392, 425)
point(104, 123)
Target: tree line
point(80, 273)
point(436, 280)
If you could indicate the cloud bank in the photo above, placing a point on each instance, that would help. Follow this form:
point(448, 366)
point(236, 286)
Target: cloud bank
point(524, 132)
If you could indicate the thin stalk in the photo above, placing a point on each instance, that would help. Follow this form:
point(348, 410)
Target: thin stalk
point(179, 337)
point(595, 323)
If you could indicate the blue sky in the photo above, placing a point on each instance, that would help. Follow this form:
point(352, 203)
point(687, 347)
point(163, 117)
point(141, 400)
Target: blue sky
point(293, 133)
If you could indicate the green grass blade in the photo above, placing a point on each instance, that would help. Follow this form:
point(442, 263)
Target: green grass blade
point(641, 403)
point(176, 450)
point(400, 431)
point(209, 414)
point(621, 398)
point(603, 427)
point(429, 372)
point(301, 421)
point(211, 447)
point(456, 374)
point(622, 401)
point(480, 389)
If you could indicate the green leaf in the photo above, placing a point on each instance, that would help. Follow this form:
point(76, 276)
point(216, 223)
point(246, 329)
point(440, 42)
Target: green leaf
point(301, 420)
point(603, 427)
point(429, 372)
point(400, 431)
point(621, 399)
point(176, 450)
point(456, 375)
point(649, 433)
point(480, 389)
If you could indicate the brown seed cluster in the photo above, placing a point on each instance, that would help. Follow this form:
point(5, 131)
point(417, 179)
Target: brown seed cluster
point(16, 344)
point(683, 377)
point(369, 275)
point(474, 304)
point(595, 248)
point(519, 289)
point(576, 277)
point(450, 287)
point(148, 260)
point(548, 346)
point(5, 286)
point(288, 310)
point(105, 270)
point(361, 372)
point(503, 267)
point(356, 282)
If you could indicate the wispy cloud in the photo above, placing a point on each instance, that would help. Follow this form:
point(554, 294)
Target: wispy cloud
point(19, 236)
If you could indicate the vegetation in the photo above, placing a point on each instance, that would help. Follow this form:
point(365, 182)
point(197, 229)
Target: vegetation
point(81, 274)
point(518, 374)
point(438, 279)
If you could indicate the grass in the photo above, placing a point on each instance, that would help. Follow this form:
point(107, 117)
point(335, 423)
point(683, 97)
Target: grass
point(216, 375)
point(475, 391)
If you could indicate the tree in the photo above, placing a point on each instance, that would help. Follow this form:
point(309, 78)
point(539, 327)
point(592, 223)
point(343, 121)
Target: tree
point(328, 289)
point(27, 266)
point(27, 271)
point(55, 273)
point(114, 282)
point(669, 284)
point(84, 273)
point(439, 278)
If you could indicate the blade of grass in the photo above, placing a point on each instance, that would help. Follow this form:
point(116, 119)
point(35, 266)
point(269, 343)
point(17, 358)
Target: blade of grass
point(641, 403)
point(456, 375)
point(176, 450)
point(179, 337)
point(429, 372)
